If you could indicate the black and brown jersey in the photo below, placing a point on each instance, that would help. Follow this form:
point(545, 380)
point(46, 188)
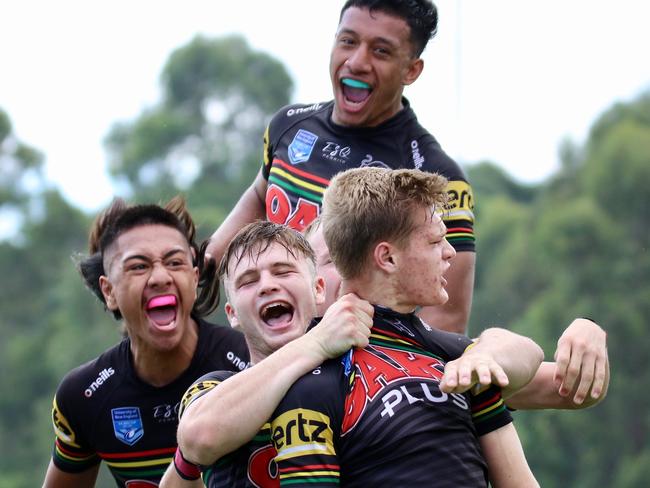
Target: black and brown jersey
point(304, 149)
point(376, 416)
point(103, 411)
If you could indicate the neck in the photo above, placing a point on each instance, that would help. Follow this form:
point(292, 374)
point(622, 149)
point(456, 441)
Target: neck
point(159, 368)
point(378, 291)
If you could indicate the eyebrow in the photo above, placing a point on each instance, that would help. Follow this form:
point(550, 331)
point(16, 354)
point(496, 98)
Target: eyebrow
point(245, 274)
point(142, 257)
point(380, 39)
point(254, 269)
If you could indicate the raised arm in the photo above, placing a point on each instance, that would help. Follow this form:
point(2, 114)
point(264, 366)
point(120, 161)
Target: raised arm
point(578, 379)
point(233, 412)
point(499, 356)
point(453, 316)
point(249, 208)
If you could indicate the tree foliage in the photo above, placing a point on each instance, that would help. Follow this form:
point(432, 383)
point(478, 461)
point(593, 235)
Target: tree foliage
point(580, 247)
point(576, 244)
point(204, 136)
point(20, 166)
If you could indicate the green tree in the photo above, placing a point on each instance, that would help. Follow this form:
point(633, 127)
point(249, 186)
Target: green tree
point(21, 175)
point(49, 322)
point(204, 137)
point(579, 247)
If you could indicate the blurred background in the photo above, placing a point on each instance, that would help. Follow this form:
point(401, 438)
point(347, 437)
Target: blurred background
point(547, 109)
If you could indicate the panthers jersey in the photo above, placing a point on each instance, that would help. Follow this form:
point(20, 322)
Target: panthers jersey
point(103, 411)
point(304, 149)
point(376, 416)
point(250, 466)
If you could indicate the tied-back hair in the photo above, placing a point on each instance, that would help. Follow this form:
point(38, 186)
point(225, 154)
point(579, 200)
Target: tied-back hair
point(420, 15)
point(121, 217)
point(364, 206)
point(255, 238)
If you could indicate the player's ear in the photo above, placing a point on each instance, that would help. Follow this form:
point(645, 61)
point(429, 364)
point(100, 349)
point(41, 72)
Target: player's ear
point(413, 71)
point(319, 290)
point(232, 315)
point(108, 291)
point(384, 256)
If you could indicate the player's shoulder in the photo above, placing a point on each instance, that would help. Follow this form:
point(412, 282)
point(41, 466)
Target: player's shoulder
point(315, 401)
point(450, 345)
point(426, 152)
point(321, 385)
point(222, 346)
point(429, 156)
point(203, 385)
point(97, 375)
point(290, 115)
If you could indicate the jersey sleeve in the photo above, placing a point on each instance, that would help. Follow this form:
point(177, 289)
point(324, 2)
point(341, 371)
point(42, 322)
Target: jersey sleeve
point(200, 387)
point(459, 213)
point(267, 154)
point(71, 452)
point(489, 411)
point(459, 216)
point(272, 133)
point(303, 431)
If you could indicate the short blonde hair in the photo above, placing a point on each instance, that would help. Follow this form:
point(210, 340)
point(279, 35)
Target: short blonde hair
point(364, 206)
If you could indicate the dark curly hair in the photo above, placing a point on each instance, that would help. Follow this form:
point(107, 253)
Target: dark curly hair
point(420, 15)
point(121, 217)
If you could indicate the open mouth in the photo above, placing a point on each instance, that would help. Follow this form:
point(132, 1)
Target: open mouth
point(355, 91)
point(277, 314)
point(162, 309)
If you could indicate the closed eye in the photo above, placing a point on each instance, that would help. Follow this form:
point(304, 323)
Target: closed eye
point(284, 272)
point(175, 263)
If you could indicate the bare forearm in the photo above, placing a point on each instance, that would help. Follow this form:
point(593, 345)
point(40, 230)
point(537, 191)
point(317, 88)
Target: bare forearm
point(230, 415)
point(518, 356)
point(249, 208)
point(543, 392)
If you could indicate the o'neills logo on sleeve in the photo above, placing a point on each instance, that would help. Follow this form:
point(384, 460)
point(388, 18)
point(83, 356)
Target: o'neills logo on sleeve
point(418, 159)
point(238, 362)
point(95, 385)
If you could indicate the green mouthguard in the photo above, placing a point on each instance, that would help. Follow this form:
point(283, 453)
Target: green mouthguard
point(355, 83)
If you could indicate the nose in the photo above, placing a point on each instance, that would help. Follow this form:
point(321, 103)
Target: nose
point(267, 284)
point(358, 60)
point(449, 252)
point(159, 276)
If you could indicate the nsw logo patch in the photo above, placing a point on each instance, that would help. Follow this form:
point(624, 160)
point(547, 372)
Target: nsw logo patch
point(301, 147)
point(127, 424)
